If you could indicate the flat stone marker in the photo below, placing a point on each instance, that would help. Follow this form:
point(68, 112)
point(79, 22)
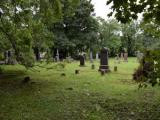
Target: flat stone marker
point(104, 60)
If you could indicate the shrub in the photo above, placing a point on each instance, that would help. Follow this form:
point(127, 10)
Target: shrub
point(149, 70)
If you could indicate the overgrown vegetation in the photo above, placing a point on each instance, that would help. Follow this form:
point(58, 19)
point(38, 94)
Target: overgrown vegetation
point(148, 72)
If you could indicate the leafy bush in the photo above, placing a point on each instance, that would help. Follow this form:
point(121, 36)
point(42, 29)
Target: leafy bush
point(149, 70)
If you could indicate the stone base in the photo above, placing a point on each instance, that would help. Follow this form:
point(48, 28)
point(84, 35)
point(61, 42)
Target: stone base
point(104, 68)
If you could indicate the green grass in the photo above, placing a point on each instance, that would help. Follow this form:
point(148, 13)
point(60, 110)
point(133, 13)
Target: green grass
point(86, 96)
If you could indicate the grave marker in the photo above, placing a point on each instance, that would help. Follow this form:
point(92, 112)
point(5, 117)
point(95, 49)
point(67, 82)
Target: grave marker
point(104, 60)
point(82, 60)
point(125, 57)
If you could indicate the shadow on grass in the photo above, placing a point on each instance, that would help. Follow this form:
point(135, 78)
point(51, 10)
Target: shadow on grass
point(13, 81)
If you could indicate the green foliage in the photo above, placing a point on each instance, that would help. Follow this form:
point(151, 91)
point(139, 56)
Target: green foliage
point(110, 35)
point(129, 37)
point(149, 70)
point(78, 31)
point(24, 24)
point(127, 10)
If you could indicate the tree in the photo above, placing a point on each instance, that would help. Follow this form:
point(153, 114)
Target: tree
point(110, 35)
point(77, 32)
point(20, 16)
point(127, 10)
point(129, 36)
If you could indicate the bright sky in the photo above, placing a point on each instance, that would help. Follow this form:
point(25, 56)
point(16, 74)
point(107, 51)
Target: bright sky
point(101, 9)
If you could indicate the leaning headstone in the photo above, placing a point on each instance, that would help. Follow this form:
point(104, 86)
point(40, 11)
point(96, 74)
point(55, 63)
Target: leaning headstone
point(82, 60)
point(125, 57)
point(104, 60)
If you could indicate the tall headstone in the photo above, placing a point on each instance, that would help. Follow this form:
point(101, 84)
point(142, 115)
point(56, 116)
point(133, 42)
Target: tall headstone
point(91, 56)
point(82, 60)
point(125, 57)
point(97, 56)
point(122, 55)
point(104, 60)
point(57, 55)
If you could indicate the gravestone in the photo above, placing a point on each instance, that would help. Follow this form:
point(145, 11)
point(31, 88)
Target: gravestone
point(93, 66)
point(125, 57)
point(82, 60)
point(97, 56)
point(57, 55)
point(115, 68)
point(117, 59)
point(122, 55)
point(91, 57)
point(104, 60)
point(139, 56)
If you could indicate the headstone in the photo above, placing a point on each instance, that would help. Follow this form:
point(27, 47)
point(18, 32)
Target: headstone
point(93, 66)
point(139, 56)
point(122, 55)
point(97, 56)
point(125, 57)
point(57, 56)
point(82, 60)
point(77, 71)
point(104, 60)
point(115, 69)
point(91, 57)
point(117, 59)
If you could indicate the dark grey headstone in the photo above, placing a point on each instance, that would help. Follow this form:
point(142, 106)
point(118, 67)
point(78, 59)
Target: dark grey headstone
point(104, 60)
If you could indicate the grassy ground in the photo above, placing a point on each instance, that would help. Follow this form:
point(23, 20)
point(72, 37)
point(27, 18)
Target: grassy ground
point(86, 96)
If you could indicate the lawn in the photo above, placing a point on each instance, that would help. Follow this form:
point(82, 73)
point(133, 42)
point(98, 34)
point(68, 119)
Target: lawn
point(86, 96)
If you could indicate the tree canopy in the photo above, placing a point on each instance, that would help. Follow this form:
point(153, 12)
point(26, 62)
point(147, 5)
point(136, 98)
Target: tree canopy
point(126, 10)
point(23, 22)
